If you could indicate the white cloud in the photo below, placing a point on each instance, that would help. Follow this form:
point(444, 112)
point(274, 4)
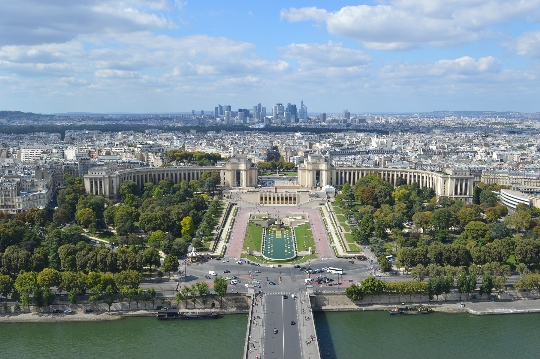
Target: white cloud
point(31, 22)
point(404, 24)
point(463, 68)
point(117, 74)
point(527, 44)
point(326, 55)
point(304, 14)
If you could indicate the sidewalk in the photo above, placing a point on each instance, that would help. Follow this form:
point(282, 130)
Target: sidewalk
point(309, 342)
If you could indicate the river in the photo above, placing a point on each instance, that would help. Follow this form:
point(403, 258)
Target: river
point(222, 338)
point(375, 334)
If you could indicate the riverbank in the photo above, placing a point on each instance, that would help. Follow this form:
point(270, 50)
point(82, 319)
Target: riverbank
point(340, 303)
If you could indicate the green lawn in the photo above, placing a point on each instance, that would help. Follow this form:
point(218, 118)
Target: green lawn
point(337, 209)
point(304, 237)
point(297, 260)
point(253, 238)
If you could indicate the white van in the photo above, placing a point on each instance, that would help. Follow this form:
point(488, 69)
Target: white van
point(308, 281)
point(212, 272)
point(234, 282)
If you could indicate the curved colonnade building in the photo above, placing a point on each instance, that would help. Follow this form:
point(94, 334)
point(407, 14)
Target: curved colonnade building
point(317, 171)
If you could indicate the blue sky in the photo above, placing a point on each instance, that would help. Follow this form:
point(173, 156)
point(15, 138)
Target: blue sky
point(148, 56)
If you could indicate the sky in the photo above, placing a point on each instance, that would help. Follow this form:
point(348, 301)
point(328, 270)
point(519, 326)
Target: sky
point(159, 56)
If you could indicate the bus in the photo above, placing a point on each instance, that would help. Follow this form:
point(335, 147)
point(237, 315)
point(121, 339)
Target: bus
point(334, 270)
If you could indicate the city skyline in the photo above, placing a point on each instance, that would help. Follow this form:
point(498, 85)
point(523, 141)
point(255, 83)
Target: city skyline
point(159, 56)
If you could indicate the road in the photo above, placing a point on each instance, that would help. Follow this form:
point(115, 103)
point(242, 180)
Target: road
point(279, 314)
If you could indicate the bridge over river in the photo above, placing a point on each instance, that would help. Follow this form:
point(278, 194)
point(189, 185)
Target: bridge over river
point(281, 326)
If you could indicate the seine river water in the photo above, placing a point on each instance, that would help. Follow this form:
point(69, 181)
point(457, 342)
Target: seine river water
point(127, 338)
point(345, 335)
point(375, 335)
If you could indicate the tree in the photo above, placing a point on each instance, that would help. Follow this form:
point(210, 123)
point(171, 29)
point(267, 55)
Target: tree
point(203, 290)
point(443, 219)
point(520, 220)
point(170, 264)
point(25, 284)
point(384, 263)
point(151, 257)
point(527, 251)
point(419, 273)
point(488, 197)
point(6, 285)
point(48, 296)
point(373, 286)
point(130, 279)
point(354, 292)
point(220, 287)
point(85, 217)
point(477, 231)
point(188, 228)
point(152, 293)
point(49, 277)
point(487, 284)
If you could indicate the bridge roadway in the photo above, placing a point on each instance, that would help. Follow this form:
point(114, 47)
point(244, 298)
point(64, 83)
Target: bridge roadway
point(271, 334)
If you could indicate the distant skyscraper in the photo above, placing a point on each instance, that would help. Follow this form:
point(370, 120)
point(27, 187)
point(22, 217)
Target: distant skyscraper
point(192, 112)
point(303, 111)
point(275, 112)
point(241, 117)
point(255, 113)
point(216, 112)
point(323, 117)
point(202, 112)
point(346, 115)
point(262, 116)
point(227, 118)
point(287, 117)
point(228, 108)
point(220, 110)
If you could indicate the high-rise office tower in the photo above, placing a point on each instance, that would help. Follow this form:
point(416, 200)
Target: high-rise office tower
point(255, 114)
point(216, 113)
point(303, 111)
point(202, 112)
point(275, 112)
point(241, 117)
point(227, 118)
point(228, 108)
point(287, 117)
point(346, 115)
point(323, 117)
point(220, 110)
point(262, 116)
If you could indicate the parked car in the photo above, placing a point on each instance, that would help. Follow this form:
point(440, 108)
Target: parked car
point(271, 283)
point(275, 331)
point(68, 311)
point(226, 271)
point(58, 311)
point(88, 310)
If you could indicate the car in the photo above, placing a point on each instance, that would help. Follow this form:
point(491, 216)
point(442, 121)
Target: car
point(271, 283)
point(68, 311)
point(257, 286)
point(257, 271)
point(58, 311)
point(285, 296)
point(227, 278)
point(234, 282)
point(239, 262)
point(88, 310)
point(275, 331)
point(207, 276)
point(226, 271)
point(297, 266)
point(234, 277)
point(293, 322)
point(247, 285)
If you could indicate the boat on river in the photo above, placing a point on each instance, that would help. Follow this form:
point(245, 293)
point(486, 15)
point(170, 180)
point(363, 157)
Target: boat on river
point(413, 309)
point(175, 315)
